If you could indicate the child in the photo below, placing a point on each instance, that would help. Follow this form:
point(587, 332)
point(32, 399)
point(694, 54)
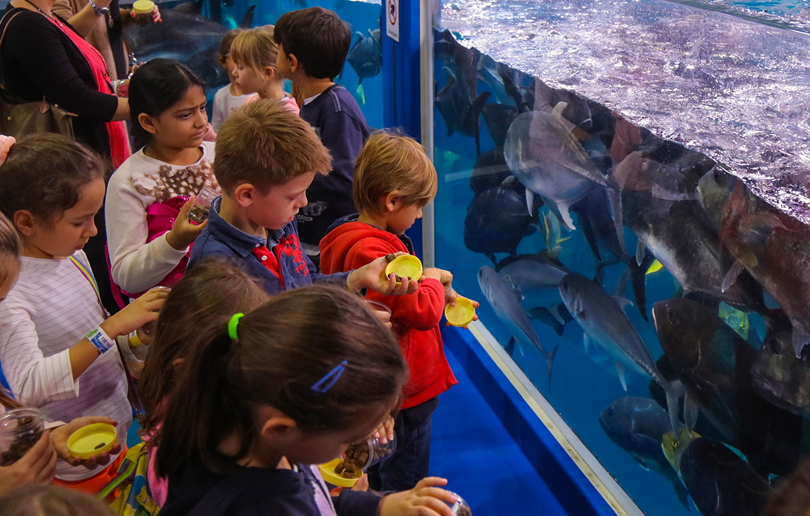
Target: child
point(37, 465)
point(208, 292)
point(267, 158)
point(301, 377)
point(231, 96)
point(51, 501)
point(254, 53)
point(393, 180)
point(150, 194)
point(313, 44)
point(50, 188)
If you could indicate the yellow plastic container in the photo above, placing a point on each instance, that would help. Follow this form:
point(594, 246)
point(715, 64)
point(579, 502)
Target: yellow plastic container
point(405, 266)
point(328, 474)
point(462, 314)
point(92, 440)
point(143, 6)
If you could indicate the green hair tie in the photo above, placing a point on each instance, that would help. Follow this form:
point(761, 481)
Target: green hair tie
point(233, 324)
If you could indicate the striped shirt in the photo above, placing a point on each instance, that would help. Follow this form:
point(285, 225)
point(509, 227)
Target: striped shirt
point(51, 308)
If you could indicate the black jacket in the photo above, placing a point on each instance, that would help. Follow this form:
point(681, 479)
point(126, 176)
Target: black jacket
point(37, 59)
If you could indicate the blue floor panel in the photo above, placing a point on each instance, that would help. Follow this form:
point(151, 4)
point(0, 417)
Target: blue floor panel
point(484, 465)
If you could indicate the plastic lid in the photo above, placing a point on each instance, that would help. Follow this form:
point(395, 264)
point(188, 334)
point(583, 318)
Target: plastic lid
point(462, 314)
point(329, 475)
point(405, 266)
point(92, 440)
point(143, 6)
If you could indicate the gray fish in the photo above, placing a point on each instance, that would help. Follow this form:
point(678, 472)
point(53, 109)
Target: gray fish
point(498, 118)
point(180, 36)
point(780, 377)
point(556, 316)
point(461, 114)
point(365, 57)
point(506, 304)
point(534, 277)
point(720, 482)
point(542, 153)
point(496, 222)
point(713, 363)
point(675, 233)
point(490, 170)
point(206, 66)
point(605, 323)
point(638, 425)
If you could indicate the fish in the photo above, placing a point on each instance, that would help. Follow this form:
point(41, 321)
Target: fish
point(206, 66)
point(556, 316)
point(496, 222)
point(713, 363)
point(779, 376)
point(543, 155)
point(488, 73)
point(674, 232)
point(775, 249)
point(576, 109)
point(365, 57)
point(181, 36)
point(498, 118)
point(720, 482)
point(506, 304)
point(603, 320)
point(490, 170)
point(638, 425)
point(461, 114)
point(737, 320)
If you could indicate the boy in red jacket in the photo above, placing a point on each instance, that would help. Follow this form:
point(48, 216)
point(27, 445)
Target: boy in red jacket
point(393, 180)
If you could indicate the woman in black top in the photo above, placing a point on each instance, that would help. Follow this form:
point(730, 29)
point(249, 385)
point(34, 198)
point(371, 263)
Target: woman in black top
point(38, 59)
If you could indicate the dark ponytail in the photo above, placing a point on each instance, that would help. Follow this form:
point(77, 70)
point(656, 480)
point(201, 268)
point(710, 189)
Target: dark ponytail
point(286, 348)
point(155, 87)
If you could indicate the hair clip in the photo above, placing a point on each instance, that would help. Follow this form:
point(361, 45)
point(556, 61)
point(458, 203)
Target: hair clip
point(232, 325)
point(326, 383)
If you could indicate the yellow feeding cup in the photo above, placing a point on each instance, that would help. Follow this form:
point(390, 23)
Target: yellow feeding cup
point(328, 474)
point(143, 6)
point(405, 266)
point(462, 314)
point(92, 440)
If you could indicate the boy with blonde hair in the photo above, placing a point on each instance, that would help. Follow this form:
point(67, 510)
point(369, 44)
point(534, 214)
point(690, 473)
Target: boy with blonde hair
point(266, 160)
point(393, 180)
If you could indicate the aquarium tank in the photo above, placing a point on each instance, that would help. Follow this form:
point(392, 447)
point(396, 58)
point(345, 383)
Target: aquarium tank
point(623, 186)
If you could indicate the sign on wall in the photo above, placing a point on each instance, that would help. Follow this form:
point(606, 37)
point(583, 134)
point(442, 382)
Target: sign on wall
point(392, 19)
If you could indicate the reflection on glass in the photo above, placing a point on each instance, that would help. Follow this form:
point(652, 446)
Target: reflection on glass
point(628, 275)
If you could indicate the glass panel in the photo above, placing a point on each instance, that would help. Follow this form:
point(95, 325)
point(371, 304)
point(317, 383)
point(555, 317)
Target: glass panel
point(191, 32)
point(636, 245)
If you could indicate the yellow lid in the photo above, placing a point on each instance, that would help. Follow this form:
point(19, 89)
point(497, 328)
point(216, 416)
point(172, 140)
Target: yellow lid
point(143, 6)
point(92, 440)
point(405, 266)
point(462, 314)
point(134, 340)
point(329, 475)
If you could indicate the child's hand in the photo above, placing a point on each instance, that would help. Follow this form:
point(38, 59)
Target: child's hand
point(422, 500)
point(372, 276)
point(385, 432)
point(184, 232)
point(60, 436)
point(362, 484)
point(37, 466)
point(143, 310)
point(451, 297)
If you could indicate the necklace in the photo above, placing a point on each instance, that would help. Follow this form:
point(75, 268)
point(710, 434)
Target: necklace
point(43, 12)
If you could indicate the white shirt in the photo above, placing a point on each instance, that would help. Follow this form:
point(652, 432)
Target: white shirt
point(138, 183)
point(51, 308)
point(224, 104)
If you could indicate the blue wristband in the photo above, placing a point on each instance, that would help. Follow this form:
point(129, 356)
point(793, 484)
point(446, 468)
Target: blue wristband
point(100, 340)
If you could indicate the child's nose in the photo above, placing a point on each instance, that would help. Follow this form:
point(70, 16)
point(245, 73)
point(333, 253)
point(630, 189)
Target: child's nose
point(93, 230)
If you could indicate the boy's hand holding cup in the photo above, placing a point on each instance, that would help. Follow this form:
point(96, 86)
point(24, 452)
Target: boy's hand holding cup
point(372, 276)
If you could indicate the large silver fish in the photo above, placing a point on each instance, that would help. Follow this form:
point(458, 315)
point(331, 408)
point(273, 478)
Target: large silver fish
point(543, 154)
point(506, 303)
point(604, 322)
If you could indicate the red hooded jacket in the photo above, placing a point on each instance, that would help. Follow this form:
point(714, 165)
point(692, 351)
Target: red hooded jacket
point(415, 317)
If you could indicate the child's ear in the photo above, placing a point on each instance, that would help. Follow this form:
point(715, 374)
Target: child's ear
point(26, 222)
point(393, 200)
point(147, 123)
point(278, 427)
point(245, 194)
point(294, 64)
point(269, 73)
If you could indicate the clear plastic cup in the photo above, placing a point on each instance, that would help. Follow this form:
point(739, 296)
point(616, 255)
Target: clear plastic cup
point(20, 429)
point(361, 456)
point(202, 205)
point(460, 508)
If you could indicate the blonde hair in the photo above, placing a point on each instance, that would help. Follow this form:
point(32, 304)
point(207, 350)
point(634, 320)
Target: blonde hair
point(389, 162)
point(266, 145)
point(255, 49)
